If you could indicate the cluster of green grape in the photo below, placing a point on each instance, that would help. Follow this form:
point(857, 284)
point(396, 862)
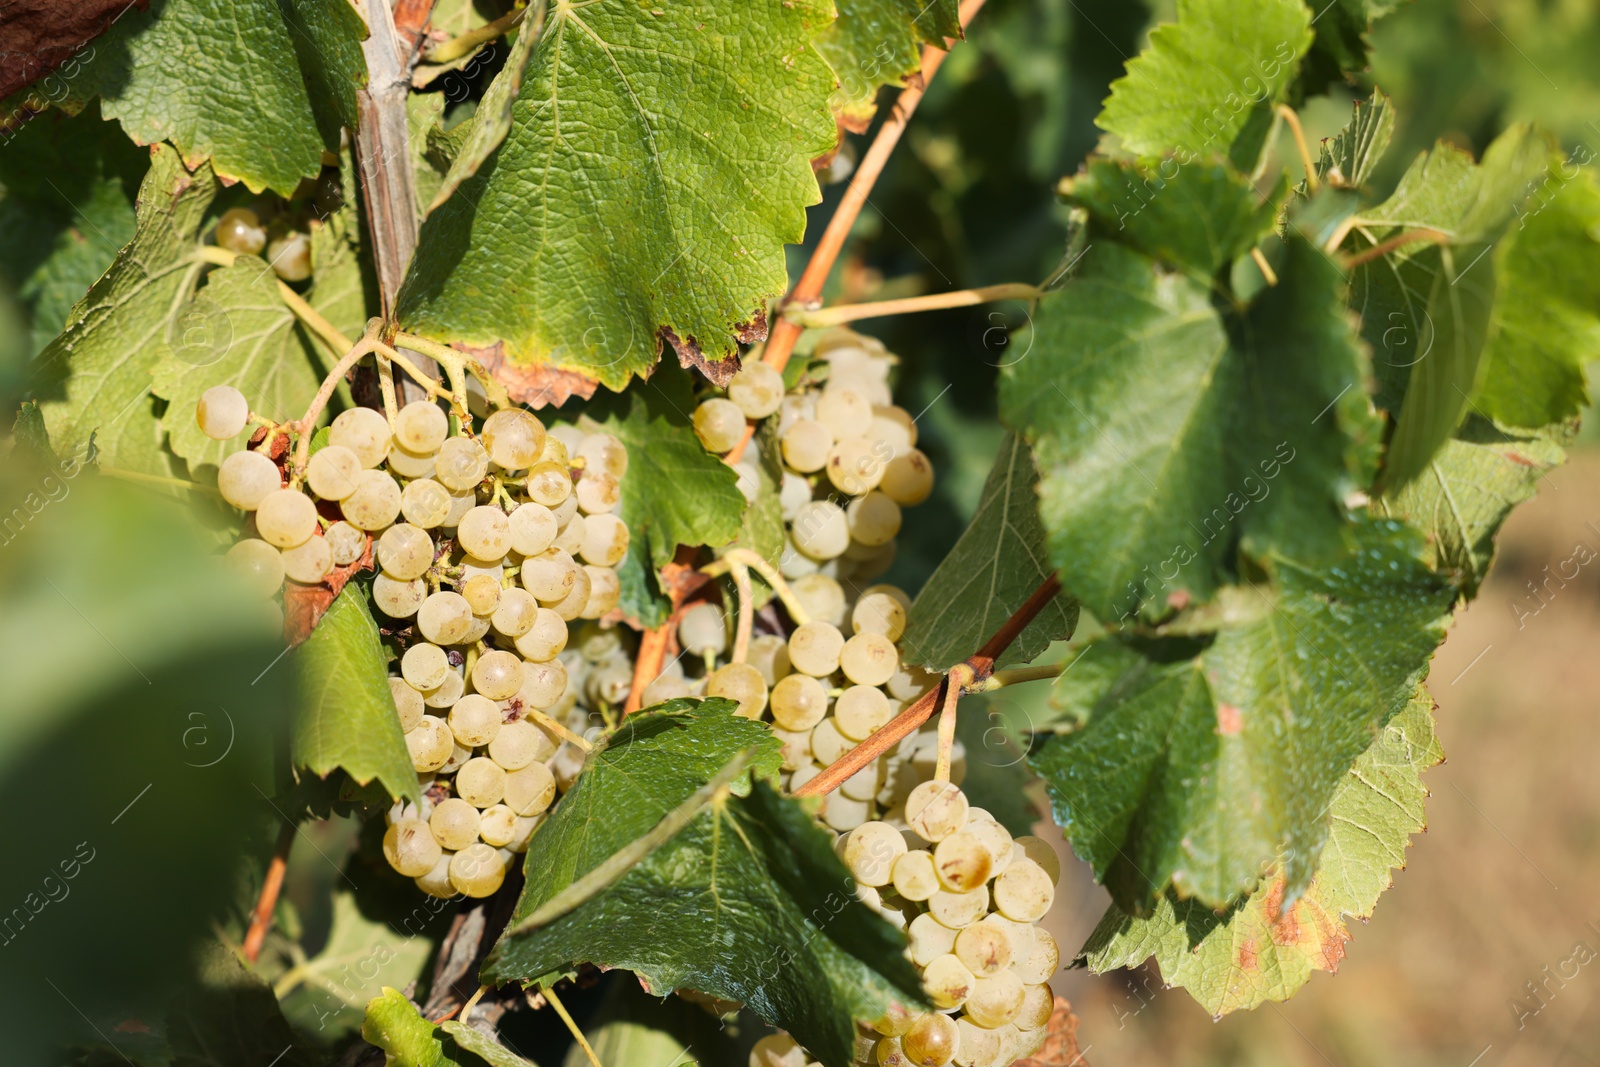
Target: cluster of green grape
point(969, 896)
point(487, 547)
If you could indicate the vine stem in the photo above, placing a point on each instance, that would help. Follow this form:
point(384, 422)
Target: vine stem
point(457, 364)
point(981, 664)
point(769, 574)
point(456, 47)
point(961, 298)
point(326, 331)
point(1263, 266)
point(960, 676)
point(1018, 675)
point(747, 612)
point(1299, 133)
point(577, 1034)
point(362, 348)
point(158, 479)
point(1399, 240)
point(267, 901)
point(555, 726)
point(808, 290)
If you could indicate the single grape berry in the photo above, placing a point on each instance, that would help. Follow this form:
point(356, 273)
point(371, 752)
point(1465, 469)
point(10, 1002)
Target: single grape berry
point(222, 412)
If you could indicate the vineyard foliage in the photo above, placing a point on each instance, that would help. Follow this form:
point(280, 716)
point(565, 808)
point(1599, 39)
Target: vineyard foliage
point(1262, 419)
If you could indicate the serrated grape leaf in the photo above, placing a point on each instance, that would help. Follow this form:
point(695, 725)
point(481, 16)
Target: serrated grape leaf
point(997, 563)
point(1348, 160)
point(346, 718)
point(1546, 320)
point(1203, 760)
point(1168, 433)
point(394, 1025)
point(1206, 84)
point(1341, 46)
point(256, 344)
point(115, 333)
point(230, 1018)
point(746, 901)
point(675, 492)
point(1465, 493)
point(259, 88)
point(64, 211)
point(1425, 306)
point(874, 43)
point(448, 20)
point(1263, 949)
point(1199, 217)
point(658, 161)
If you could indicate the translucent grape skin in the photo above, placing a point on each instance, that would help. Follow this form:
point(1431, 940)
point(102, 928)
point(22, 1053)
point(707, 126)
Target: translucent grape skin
point(244, 478)
point(719, 424)
point(240, 230)
point(259, 563)
point(740, 682)
point(421, 427)
point(332, 472)
point(286, 518)
point(222, 412)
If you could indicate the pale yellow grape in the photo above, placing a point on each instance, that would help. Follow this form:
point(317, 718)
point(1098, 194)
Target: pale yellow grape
point(894, 592)
point(856, 464)
point(1021, 935)
point(1041, 961)
point(874, 519)
point(240, 230)
point(1039, 851)
point(1038, 1005)
point(424, 666)
point(286, 517)
point(448, 693)
point(244, 478)
point(549, 576)
point(475, 720)
point(514, 614)
point(802, 775)
point(604, 453)
point(545, 637)
point(870, 852)
point(260, 564)
point(935, 810)
point(769, 654)
point(481, 782)
point(929, 939)
point(290, 256)
point(460, 504)
point(524, 827)
point(309, 562)
point(608, 683)
point(777, 1050)
point(410, 847)
point(405, 551)
point(827, 743)
point(799, 702)
point(573, 604)
point(421, 427)
point(996, 839)
point(530, 790)
point(947, 981)
point(896, 1021)
point(542, 684)
point(665, 688)
point(702, 631)
point(331, 474)
point(1023, 891)
point(962, 861)
point(477, 630)
point(482, 593)
point(514, 438)
point(444, 617)
point(549, 484)
point(914, 876)
point(820, 531)
point(796, 743)
point(430, 743)
point(410, 464)
point(497, 675)
point(860, 711)
point(995, 1000)
point(533, 529)
point(932, 1041)
point(477, 870)
point(844, 813)
point(795, 406)
point(886, 1052)
point(793, 493)
point(485, 532)
point(364, 432)
point(959, 910)
point(814, 648)
point(498, 825)
point(425, 503)
point(436, 883)
point(719, 424)
point(454, 823)
point(739, 682)
point(984, 949)
point(757, 389)
point(909, 683)
point(844, 411)
point(408, 703)
point(908, 478)
point(570, 537)
point(461, 464)
point(375, 502)
point(879, 613)
point(893, 426)
point(979, 1047)
point(806, 445)
point(822, 597)
point(397, 599)
point(520, 743)
point(597, 494)
point(347, 543)
point(605, 540)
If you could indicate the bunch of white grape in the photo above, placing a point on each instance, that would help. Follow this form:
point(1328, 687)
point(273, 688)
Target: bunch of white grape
point(487, 545)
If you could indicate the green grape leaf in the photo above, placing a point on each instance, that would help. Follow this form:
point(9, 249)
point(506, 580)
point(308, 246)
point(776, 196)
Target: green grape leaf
point(257, 87)
point(256, 344)
point(874, 43)
point(1349, 159)
point(675, 492)
point(347, 720)
point(1166, 430)
point(394, 1025)
point(1203, 760)
point(1546, 320)
point(116, 333)
point(1342, 45)
point(1425, 305)
point(1000, 559)
point(1199, 218)
point(1267, 947)
point(658, 161)
point(1465, 493)
point(230, 1017)
point(739, 897)
point(65, 210)
point(1206, 84)
point(448, 20)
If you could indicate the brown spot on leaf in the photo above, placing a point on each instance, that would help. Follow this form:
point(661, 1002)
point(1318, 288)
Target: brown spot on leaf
point(1230, 720)
point(1517, 457)
point(42, 36)
point(132, 1026)
point(1061, 1047)
point(1248, 960)
point(1178, 599)
point(1306, 925)
point(755, 330)
point(537, 385)
point(690, 355)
